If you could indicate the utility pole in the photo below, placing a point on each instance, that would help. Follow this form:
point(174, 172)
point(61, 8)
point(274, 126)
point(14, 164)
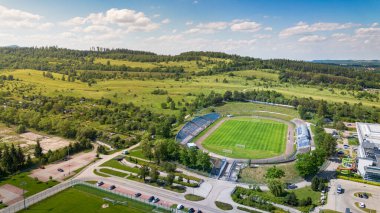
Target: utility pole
point(68, 156)
point(22, 184)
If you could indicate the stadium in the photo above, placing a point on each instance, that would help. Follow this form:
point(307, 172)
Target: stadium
point(239, 137)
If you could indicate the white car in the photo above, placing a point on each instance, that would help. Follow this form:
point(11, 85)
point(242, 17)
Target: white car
point(361, 205)
point(180, 206)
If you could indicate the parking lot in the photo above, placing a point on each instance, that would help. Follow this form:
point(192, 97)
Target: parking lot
point(75, 162)
point(339, 202)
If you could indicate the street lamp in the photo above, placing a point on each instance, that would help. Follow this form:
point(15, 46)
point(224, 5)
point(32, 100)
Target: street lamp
point(22, 184)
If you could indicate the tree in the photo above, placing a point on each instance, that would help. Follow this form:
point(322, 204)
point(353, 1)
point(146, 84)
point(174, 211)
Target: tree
point(276, 187)
point(227, 95)
point(172, 105)
point(153, 174)
point(301, 111)
point(291, 199)
point(170, 179)
point(143, 171)
point(315, 183)
point(101, 150)
point(274, 172)
point(38, 150)
point(146, 148)
point(306, 164)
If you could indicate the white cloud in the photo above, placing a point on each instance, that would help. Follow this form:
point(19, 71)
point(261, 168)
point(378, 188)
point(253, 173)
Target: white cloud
point(312, 38)
point(195, 2)
point(236, 25)
point(207, 28)
point(189, 23)
point(302, 28)
point(375, 24)
point(18, 19)
point(165, 21)
point(156, 15)
point(370, 31)
point(124, 19)
point(268, 29)
point(246, 26)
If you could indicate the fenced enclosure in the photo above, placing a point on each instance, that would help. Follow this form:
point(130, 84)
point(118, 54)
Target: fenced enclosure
point(18, 206)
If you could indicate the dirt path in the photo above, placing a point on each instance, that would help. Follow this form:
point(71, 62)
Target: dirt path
point(289, 149)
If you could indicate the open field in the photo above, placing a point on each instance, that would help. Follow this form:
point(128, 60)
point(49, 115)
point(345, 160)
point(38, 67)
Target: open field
point(28, 140)
point(256, 175)
point(88, 199)
point(138, 91)
point(248, 138)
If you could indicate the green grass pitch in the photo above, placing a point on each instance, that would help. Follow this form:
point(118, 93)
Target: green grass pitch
point(82, 198)
point(261, 138)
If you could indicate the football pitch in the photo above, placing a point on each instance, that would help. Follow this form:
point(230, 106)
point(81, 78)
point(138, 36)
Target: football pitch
point(248, 138)
point(82, 198)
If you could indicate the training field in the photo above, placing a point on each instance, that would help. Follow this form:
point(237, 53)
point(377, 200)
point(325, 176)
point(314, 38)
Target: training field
point(85, 199)
point(248, 138)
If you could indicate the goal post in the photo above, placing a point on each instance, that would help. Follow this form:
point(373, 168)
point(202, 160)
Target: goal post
point(242, 146)
point(227, 151)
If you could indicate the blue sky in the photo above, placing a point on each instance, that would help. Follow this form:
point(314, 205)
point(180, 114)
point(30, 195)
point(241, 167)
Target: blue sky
point(294, 29)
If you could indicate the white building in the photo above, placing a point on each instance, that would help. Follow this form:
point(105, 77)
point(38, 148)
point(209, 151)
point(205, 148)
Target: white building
point(369, 151)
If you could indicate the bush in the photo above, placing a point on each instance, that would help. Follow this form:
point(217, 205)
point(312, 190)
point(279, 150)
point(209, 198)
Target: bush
point(21, 129)
point(291, 199)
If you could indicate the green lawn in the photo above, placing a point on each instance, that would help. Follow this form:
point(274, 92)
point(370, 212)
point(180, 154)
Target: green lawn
point(261, 138)
point(31, 186)
point(113, 172)
point(117, 165)
point(86, 199)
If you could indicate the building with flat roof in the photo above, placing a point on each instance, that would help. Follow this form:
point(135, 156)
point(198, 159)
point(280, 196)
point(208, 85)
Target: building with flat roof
point(303, 138)
point(369, 151)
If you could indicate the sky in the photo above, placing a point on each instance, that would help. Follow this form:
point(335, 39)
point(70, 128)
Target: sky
point(292, 29)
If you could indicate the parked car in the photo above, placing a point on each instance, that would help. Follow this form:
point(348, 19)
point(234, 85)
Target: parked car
point(346, 146)
point(191, 210)
point(347, 210)
point(339, 189)
point(138, 194)
point(156, 200)
point(99, 183)
point(151, 199)
point(60, 170)
point(361, 205)
point(199, 211)
point(180, 206)
point(112, 187)
point(365, 196)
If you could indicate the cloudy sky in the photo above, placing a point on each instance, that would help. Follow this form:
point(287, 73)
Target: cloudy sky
point(323, 29)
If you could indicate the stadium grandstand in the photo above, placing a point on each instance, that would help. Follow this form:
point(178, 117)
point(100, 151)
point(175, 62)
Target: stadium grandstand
point(195, 126)
point(303, 138)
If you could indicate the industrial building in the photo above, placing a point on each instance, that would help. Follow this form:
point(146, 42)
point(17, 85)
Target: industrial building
point(369, 151)
point(303, 138)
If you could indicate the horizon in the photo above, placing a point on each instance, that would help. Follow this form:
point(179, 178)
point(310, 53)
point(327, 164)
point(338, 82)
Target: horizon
point(312, 30)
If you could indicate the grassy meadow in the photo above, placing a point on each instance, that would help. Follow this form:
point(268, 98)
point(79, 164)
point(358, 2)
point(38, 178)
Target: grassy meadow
point(139, 90)
point(259, 138)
